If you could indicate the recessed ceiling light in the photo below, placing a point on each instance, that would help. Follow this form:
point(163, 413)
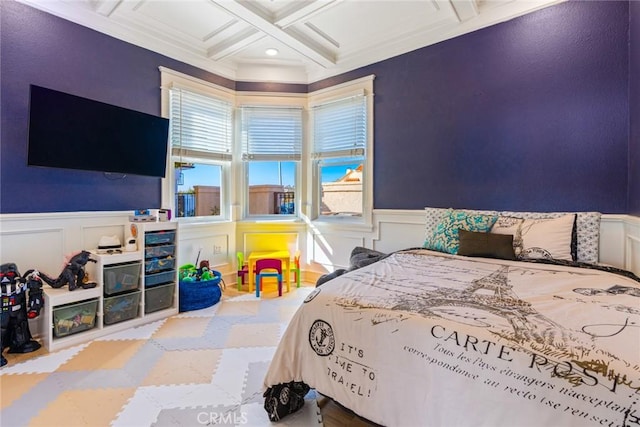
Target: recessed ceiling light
point(271, 51)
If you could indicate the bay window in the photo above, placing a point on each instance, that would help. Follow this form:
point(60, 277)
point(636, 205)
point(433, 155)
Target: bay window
point(271, 139)
point(269, 156)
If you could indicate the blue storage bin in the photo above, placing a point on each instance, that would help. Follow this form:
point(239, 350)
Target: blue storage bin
point(160, 278)
point(159, 251)
point(157, 265)
point(159, 237)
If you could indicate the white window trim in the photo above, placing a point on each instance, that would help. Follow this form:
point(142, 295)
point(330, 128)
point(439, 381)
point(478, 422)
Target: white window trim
point(354, 87)
point(234, 175)
point(173, 79)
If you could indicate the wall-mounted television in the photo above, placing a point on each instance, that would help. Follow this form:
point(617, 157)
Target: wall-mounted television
point(71, 132)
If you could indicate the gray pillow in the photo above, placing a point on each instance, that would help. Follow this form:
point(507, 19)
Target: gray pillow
point(487, 245)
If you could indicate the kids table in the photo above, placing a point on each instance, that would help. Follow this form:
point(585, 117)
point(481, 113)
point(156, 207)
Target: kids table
point(284, 256)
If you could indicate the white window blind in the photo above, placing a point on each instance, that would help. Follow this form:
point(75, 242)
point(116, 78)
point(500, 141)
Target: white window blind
point(340, 128)
point(271, 133)
point(201, 126)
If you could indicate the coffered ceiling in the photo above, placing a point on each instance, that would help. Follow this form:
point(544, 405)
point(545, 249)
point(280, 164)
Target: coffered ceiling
point(315, 39)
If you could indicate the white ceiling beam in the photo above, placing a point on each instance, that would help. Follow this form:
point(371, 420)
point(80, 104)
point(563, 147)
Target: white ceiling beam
point(234, 44)
point(322, 34)
point(303, 11)
point(465, 9)
point(253, 17)
point(106, 7)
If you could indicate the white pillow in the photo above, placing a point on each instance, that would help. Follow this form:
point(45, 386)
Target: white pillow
point(587, 230)
point(547, 238)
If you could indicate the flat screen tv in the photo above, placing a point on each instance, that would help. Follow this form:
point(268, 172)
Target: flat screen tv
point(68, 131)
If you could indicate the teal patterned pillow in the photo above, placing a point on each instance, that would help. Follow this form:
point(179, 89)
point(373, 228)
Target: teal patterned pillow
point(445, 237)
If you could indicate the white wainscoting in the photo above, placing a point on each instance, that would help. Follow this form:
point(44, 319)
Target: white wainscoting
point(620, 241)
point(213, 242)
point(400, 229)
point(41, 241)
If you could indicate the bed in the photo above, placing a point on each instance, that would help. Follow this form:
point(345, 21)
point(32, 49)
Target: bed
point(472, 335)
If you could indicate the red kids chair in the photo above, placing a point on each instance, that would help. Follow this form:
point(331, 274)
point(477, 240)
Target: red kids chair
point(243, 270)
point(268, 268)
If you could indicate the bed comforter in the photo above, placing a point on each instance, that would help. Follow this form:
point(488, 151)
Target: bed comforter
point(423, 338)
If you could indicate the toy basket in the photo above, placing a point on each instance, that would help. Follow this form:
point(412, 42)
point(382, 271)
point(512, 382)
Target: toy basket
point(200, 294)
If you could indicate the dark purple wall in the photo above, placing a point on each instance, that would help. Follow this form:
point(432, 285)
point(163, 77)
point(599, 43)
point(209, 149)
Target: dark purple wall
point(271, 87)
point(41, 49)
point(531, 114)
point(634, 109)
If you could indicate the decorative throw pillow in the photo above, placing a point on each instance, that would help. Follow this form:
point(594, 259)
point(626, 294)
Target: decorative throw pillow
point(510, 225)
point(487, 245)
point(547, 238)
point(433, 217)
point(445, 237)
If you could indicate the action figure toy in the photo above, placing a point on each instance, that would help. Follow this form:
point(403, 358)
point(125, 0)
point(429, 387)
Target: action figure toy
point(16, 311)
point(72, 274)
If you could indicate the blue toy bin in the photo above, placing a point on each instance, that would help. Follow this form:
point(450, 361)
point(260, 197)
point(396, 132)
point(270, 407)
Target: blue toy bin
point(200, 294)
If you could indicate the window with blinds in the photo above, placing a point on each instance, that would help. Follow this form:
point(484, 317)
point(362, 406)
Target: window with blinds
point(201, 140)
point(340, 128)
point(339, 150)
point(271, 133)
point(200, 125)
point(271, 139)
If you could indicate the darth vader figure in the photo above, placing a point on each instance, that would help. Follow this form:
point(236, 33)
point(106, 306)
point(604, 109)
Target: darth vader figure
point(16, 310)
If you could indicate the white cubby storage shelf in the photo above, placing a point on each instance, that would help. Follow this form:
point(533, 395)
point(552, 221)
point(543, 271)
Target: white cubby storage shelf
point(133, 288)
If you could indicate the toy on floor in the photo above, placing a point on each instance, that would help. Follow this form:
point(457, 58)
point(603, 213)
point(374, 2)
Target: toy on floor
point(189, 272)
point(16, 310)
point(73, 273)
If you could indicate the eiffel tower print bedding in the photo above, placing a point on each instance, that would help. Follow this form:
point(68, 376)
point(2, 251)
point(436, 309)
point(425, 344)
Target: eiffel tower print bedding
point(422, 338)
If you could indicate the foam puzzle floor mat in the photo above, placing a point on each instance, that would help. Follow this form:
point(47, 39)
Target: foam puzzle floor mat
point(203, 367)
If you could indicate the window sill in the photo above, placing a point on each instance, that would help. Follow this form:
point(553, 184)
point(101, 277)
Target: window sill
point(202, 220)
point(270, 220)
point(343, 223)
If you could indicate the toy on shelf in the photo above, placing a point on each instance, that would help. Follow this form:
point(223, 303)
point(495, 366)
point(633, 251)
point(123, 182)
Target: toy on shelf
point(36, 301)
point(73, 273)
point(132, 240)
point(109, 245)
point(16, 310)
